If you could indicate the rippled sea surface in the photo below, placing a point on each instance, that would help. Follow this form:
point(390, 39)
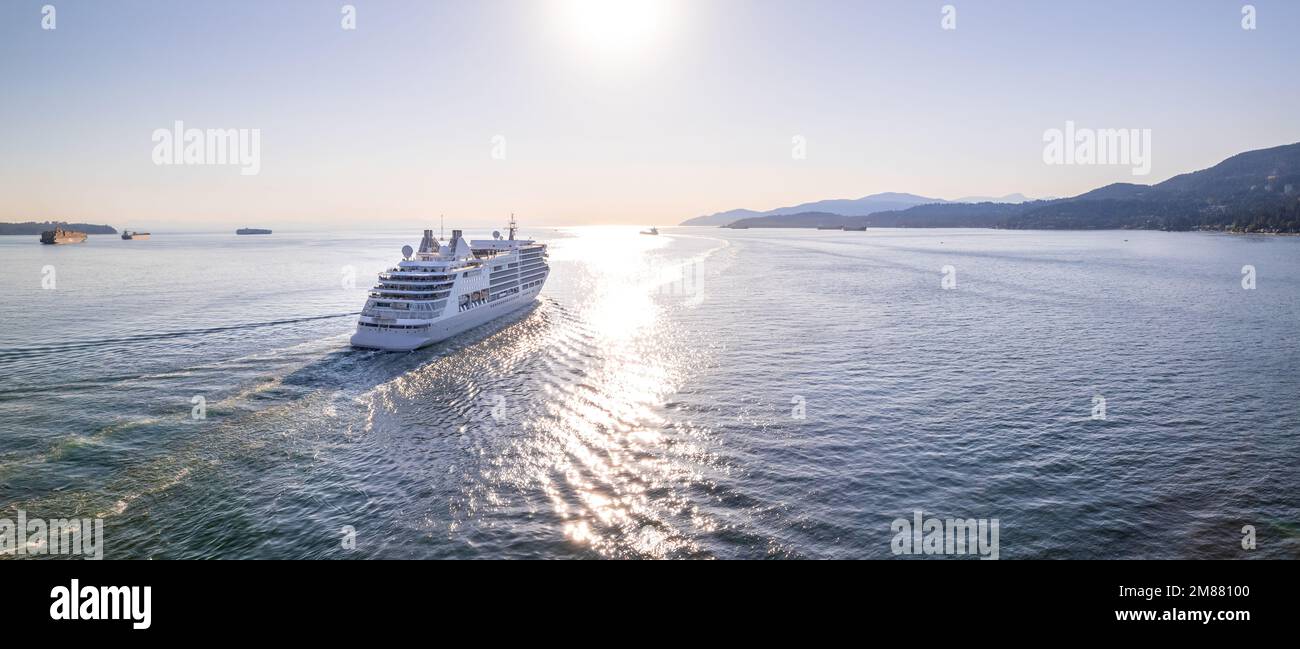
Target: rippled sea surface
point(705, 393)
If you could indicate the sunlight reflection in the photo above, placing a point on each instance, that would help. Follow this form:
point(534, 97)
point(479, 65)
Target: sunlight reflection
point(608, 445)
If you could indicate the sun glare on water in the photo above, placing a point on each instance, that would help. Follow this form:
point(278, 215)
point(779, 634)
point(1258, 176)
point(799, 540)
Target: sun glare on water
point(613, 29)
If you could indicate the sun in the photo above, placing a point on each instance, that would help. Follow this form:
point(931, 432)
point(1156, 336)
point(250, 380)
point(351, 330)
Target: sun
point(613, 28)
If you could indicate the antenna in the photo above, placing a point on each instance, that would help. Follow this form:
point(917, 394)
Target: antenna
point(440, 227)
point(512, 226)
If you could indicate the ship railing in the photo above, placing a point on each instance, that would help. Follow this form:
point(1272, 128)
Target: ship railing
point(398, 313)
point(414, 275)
point(399, 294)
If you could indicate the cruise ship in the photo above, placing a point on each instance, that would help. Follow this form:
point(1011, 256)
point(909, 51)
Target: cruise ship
point(446, 288)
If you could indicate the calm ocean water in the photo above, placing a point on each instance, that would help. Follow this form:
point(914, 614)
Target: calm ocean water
point(649, 404)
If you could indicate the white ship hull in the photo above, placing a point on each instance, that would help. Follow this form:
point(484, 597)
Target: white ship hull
point(404, 341)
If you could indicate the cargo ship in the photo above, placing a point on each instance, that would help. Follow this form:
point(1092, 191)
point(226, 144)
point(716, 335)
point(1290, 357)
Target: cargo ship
point(129, 235)
point(59, 235)
point(252, 231)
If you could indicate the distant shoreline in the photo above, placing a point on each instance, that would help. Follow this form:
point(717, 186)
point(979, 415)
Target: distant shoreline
point(973, 227)
point(33, 228)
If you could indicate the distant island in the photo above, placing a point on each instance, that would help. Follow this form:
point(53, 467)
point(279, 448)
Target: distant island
point(31, 227)
point(1255, 191)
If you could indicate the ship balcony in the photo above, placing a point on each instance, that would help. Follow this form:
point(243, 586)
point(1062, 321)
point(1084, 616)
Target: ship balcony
point(472, 303)
point(384, 292)
point(411, 275)
point(407, 286)
point(387, 316)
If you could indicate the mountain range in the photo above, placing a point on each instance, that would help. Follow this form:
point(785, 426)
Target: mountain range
point(845, 207)
point(1255, 191)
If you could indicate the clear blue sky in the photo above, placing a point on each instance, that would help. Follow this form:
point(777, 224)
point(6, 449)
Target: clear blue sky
point(650, 112)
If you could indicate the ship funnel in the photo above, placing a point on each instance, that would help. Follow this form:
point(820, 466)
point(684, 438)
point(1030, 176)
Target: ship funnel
point(426, 244)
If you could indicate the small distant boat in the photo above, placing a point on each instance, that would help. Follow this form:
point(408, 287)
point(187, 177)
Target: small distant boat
point(130, 235)
point(830, 227)
point(59, 235)
point(651, 231)
point(252, 231)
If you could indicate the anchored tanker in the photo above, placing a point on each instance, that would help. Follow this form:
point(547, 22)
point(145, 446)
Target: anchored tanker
point(445, 289)
point(59, 235)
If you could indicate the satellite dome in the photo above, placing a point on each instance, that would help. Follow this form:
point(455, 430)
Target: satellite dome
point(406, 252)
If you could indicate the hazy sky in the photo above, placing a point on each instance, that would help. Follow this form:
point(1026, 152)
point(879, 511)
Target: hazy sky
point(625, 111)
